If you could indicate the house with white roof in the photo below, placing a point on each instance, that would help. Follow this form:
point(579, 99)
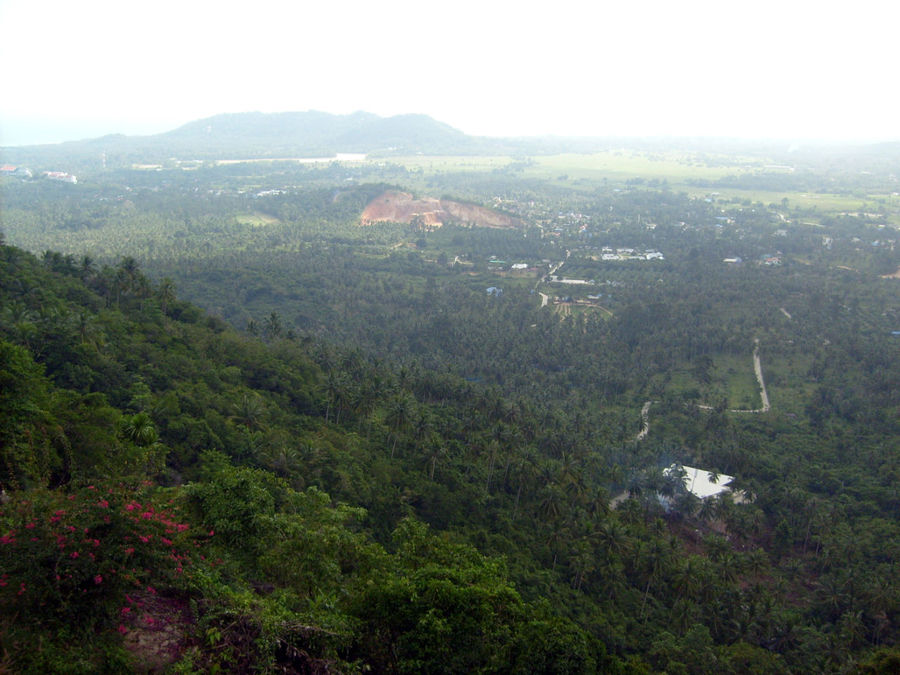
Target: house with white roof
point(701, 483)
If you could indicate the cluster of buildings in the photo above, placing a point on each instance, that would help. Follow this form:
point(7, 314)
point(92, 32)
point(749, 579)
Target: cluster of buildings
point(60, 176)
point(24, 172)
point(607, 253)
point(17, 171)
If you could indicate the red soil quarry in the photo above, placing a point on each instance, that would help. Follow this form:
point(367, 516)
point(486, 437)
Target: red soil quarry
point(400, 207)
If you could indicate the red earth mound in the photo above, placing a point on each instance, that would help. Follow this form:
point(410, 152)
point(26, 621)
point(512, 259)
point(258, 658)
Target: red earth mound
point(400, 207)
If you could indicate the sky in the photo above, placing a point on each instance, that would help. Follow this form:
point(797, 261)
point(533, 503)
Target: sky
point(782, 69)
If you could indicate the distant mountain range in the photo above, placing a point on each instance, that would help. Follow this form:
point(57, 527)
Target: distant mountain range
point(314, 133)
point(276, 135)
point(319, 134)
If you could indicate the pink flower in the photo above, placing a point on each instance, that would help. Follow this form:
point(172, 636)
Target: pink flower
point(30, 526)
point(125, 610)
point(144, 539)
point(74, 554)
point(98, 579)
point(122, 629)
point(103, 504)
point(129, 550)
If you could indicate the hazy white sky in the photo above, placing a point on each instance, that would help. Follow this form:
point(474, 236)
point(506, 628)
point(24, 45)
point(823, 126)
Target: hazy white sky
point(782, 69)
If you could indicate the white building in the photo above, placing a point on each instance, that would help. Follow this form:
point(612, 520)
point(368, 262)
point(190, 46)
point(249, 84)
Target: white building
point(700, 483)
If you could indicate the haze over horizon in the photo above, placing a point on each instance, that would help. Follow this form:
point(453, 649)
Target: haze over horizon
point(787, 71)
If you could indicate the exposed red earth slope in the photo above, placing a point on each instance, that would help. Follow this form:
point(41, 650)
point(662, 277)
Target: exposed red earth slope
point(400, 207)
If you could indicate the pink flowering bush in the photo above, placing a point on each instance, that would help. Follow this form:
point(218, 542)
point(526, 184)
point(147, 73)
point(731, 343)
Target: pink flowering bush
point(76, 554)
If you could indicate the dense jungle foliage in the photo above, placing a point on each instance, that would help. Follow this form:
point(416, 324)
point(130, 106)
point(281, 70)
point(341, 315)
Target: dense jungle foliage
point(354, 458)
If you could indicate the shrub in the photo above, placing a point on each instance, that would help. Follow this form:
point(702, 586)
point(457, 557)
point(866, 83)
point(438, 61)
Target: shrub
point(74, 556)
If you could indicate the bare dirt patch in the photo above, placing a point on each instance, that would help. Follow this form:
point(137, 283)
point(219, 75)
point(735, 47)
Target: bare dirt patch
point(155, 630)
point(401, 207)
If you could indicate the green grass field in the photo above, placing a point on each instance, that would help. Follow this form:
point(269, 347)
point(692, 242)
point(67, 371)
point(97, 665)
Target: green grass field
point(678, 170)
point(256, 219)
point(734, 375)
point(624, 165)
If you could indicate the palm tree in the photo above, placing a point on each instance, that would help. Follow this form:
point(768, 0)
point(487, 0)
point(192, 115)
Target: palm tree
point(166, 294)
point(250, 412)
point(687, 504)
point(125, 276)
point(550, 507)
point(655, 557)
point(336, 392)
point(399, 414)
point(527, 472)
point(139, 429)
point(492, 446)
point(613, 537)
point(709, 509)
point(583, 562)
point(685, 578)
point(87, 268)
point(272, 326)
point(284, 460)
point(434, 450)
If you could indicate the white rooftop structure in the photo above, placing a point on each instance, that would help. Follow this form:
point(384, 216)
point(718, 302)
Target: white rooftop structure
point(700, 483)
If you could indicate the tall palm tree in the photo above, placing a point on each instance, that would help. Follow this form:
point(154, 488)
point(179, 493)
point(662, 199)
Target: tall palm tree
point(398, 417)
point(272, 326)
point(434, 449)
point(86, 269)
point(166, 294)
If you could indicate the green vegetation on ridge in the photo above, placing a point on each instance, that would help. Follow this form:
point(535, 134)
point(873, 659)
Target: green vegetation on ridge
point(387, 460)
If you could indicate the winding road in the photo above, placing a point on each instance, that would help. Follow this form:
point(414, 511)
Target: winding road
point(553, 270)
point(645, 418)
point(763, 394)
